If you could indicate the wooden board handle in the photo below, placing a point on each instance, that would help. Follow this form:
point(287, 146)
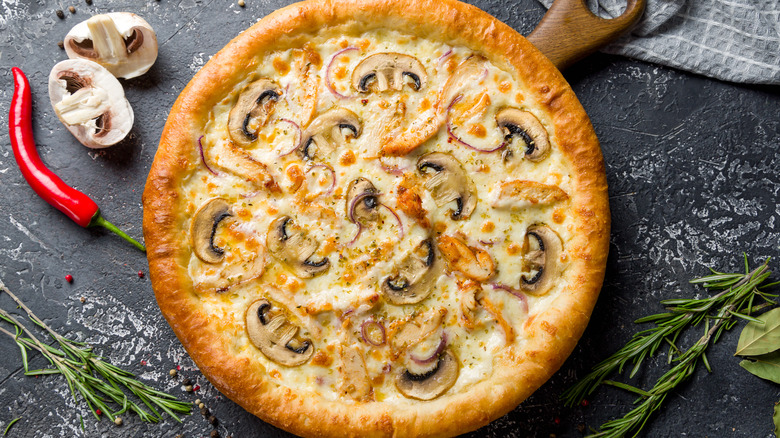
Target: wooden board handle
point(569, 31)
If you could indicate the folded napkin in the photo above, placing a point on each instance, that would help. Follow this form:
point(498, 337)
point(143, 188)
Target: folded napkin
point(731, 40)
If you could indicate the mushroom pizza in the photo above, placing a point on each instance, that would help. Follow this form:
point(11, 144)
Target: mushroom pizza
point(366, 218)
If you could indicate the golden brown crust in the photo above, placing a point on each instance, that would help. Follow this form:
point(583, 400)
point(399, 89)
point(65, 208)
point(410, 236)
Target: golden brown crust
point(552, 335)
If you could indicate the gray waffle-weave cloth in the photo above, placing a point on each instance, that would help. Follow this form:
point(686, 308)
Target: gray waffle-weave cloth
point(731, 40)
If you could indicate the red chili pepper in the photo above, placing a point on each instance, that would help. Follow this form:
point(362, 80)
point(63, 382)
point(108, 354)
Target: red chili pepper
point(75, 204)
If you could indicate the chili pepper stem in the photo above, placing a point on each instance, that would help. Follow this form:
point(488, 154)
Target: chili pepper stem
point(99, 220)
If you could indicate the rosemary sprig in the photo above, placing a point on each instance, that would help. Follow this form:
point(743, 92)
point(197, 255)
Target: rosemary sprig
point(101, 384)
point(736, 300)
point(7, 428)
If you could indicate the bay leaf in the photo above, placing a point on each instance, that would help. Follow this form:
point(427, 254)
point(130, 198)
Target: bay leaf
point(766, 366)
point(757, 339)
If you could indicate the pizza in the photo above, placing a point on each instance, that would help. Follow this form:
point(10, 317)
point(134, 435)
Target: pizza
point(377, 218)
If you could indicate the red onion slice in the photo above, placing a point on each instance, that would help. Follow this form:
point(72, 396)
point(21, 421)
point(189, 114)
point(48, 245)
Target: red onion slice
point(443, 57)
point(515, 292)
point(451, 132)
point(332, 176)
point(400, 224)
point(359, 230)
point(364, 332)
point(203, 157)
point(327, 72)
point(298, 135)
point(392, 170)
point(435, 355)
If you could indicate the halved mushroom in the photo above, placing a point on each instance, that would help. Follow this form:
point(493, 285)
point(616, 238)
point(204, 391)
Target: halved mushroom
point(204, 227)
point(270, 330)
point(122, 42)
point(326, 132)
point(295, 248)
point(414, 277)
point(518, 194)
point(542, 249)
point(252, 111)
point(474, 263)
point(388, 70)
point(362, 204)
point(433, 383)
point(90, 102)
point(449, 183)
point(515, 123)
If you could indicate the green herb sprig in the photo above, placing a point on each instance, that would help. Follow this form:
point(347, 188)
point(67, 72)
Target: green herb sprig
point(101, 384)
point(719, 313)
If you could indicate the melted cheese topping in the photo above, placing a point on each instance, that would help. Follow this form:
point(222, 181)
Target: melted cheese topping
point(329, 308)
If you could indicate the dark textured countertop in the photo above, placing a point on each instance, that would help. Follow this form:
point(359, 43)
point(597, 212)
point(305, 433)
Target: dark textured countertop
point(692, 168)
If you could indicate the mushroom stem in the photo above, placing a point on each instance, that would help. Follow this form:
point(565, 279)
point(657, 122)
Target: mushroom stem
point(106, 39)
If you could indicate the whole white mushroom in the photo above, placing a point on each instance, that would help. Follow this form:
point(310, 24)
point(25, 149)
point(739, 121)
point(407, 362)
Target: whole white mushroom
point(122, 42)
point(91, 102)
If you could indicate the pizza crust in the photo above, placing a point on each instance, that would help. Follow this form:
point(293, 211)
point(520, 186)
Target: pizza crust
point(552, 334)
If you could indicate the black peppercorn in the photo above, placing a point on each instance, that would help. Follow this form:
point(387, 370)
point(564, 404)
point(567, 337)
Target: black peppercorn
point(214, 434)
point(187, 381)
point(60, 14)
point(60, 44)
point(89, 2)
point(213, 421)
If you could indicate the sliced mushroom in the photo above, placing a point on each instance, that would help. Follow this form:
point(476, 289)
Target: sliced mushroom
point(474, 263)
point(518, 123)
point(295, 248)
point(204, 227)
point(542, 248)
point(271, 331)
point(355, 381)
point(518, 194)
point(448, 183)
point(388, 70)
point(414, 277)
point(90, 102)
point(326, 132)
point(122, 42)
point(252, 111)
point(433, 383)
point(362, 203)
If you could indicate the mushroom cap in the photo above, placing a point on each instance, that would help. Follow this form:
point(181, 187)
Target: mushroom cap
point(90, 102)
point(276, 336)
point(362, 205)
point(389, 70)
point(432, 384)
point(204, 227)
point(326, 131)
point(546, 259)
point(518, 123)
point(414, 277)
point(295, 248)
point(254, 106)
point(450, 182)
point(127, 44)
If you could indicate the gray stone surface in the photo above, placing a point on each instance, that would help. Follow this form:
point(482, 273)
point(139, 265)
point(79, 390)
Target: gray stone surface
point(692, 166)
